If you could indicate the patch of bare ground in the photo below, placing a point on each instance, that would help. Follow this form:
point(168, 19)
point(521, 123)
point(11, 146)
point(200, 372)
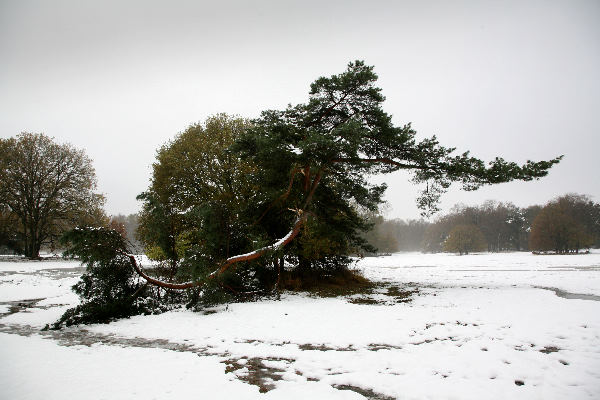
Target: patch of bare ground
point(20, 305)
point(383, 293)
point(257, 371)
point(331, 284)
point(549, 349)
point(76, 336)
point(368, 393)
point(435, 339)
point(350, 284)
point(322, 347)
point(568, 295)
point(383, 346)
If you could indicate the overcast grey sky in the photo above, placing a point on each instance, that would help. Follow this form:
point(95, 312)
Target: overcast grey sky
point(519, 79)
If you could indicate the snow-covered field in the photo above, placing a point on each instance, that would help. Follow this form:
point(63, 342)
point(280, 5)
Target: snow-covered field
point(483, 326)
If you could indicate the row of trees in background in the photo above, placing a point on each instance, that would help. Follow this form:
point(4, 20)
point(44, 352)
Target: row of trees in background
point(566, 224)
point(503, 226)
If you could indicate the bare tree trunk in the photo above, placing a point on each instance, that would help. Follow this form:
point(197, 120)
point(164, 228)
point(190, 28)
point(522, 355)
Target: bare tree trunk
point(32, 245)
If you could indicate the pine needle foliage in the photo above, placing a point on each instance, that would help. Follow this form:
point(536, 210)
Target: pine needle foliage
point(109, 288)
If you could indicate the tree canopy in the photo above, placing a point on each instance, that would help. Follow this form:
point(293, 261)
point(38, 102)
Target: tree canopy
point(464, 239)
point(194, 212)
point(302, 170)
point(566, 224)
point(45, 189)
point(504, 225)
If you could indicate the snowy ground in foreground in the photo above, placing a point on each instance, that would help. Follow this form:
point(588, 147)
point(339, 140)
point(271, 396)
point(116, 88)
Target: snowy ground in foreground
point(440, 326)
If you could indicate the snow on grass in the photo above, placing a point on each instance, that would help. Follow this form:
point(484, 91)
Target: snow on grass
point(20, 264)
point(485, 340)
point(35, 317)
point(34, 368)
point(24, 265)
point(572, 273)
point(477, 326)
point(17, 286)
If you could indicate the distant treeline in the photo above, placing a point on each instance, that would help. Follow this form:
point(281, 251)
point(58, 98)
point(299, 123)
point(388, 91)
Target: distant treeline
point(568, 223)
